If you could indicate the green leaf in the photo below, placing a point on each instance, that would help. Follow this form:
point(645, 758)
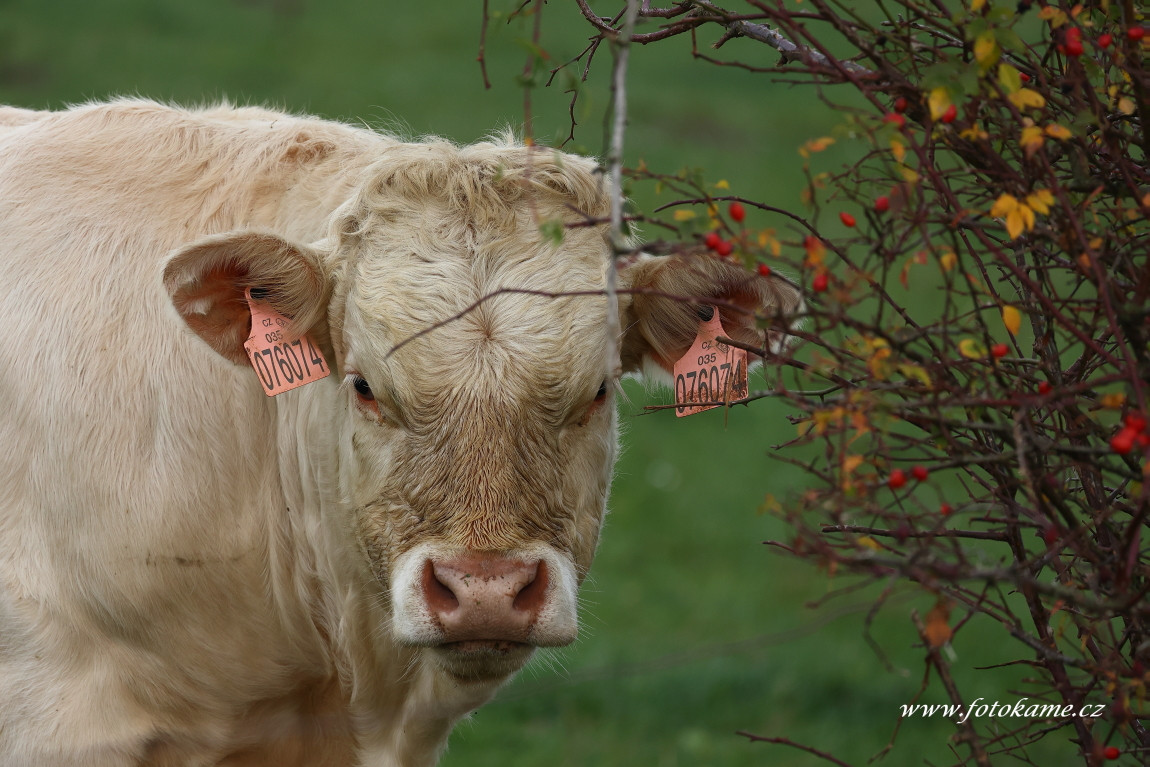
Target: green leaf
point(1009, 40)
point(552, 230)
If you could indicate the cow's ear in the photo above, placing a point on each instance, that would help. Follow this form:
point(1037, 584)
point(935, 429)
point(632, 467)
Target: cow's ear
point(667, 293)
point(208, 278)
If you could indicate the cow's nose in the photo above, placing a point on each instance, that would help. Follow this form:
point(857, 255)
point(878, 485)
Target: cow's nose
point(485, 598)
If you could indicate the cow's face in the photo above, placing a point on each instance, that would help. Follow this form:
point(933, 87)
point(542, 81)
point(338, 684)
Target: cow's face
point(475, 431)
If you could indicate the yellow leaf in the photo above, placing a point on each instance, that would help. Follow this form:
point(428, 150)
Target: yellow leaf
point(868, 542)
point(971, 349)
point(684, 215)
point(851, 462)
point(1019, 220)
point(976, 5)
point(1024, 98)
point(1032, 139)
point(1012, 319)
point(1056, 131)
point(986, 51)
point(722, 184)
point(1040, 201)
point(948, 260)
point(909, 175)
point(1126, 105)
point(939, 102)
point(1009, 78)
point(915, 373)
point(974, 133)
point(898, 149)
point(1004, 205)
point(1055, 16)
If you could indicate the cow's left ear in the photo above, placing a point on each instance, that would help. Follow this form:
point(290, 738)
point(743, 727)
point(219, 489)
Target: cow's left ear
point(661, 318)
point(208, 278)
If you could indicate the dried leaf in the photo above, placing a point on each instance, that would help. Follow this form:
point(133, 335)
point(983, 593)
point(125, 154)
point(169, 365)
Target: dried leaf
point(937, 630)
point(1113, 401)
point(948, 260)
point(815, 145)
point(684, 215)
point(1056, 131)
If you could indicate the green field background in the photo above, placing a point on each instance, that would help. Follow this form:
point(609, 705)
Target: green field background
point(692, 628)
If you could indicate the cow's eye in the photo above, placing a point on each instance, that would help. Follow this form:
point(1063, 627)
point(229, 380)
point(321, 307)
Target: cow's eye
point(362, 390)
point(602, 393)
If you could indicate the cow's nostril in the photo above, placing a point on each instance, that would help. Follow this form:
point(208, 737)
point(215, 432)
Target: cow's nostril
point(531, 597)
point(440, 598)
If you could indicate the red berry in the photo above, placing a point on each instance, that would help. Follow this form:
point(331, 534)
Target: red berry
point(950, 113)
point(1074, 48)
point(737, 211)
point(1024, 77)
point(819, 283)
point(1142, 440)
point(1135, 422)
point(1044, 387)
point(1135, 33)
point(847, 219)
point(896, 479)
point(900, 104)
point(724, 248)
point(920, 473)
point(1122, 442)
point(1105, 40)
point(1050, 535)
point(764, 270)
point(1111, 752)
point(1073, 33)
point(712, 240)
point(998, 351)
point(945, 509)
point(882, 204)
point(895, 118)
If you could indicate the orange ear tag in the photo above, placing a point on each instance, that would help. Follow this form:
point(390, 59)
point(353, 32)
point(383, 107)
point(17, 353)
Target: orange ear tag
point(282, 362)
point(710, 371)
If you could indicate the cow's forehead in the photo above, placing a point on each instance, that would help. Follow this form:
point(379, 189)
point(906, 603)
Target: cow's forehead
point(476, 242)
point(526, 314)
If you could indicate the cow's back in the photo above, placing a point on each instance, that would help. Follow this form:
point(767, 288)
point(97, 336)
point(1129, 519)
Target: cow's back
point(138, 482)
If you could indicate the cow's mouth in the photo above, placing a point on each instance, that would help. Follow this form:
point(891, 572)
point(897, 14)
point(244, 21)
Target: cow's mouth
point(476, 659)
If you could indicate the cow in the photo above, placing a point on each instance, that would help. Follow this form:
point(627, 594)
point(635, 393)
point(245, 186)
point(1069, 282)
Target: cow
point(195, 573)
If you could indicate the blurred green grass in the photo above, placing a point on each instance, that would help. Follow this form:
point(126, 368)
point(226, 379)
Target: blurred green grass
point(693, 629)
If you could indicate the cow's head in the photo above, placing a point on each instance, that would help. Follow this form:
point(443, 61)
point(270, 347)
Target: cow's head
point(471, 411)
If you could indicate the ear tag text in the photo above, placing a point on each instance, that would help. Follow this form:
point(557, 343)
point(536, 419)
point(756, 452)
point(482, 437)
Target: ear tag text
point(282, 362)
point(710, 371)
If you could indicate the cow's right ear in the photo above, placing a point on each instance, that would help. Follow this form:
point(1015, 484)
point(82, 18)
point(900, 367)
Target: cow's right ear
point(207, 281)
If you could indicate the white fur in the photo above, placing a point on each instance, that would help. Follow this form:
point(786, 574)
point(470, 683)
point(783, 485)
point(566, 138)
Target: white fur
point(194, 574)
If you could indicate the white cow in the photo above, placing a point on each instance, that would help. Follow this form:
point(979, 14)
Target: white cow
point(193, 573)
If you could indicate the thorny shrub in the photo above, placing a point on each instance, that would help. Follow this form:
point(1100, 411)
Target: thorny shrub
point(990, 443)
